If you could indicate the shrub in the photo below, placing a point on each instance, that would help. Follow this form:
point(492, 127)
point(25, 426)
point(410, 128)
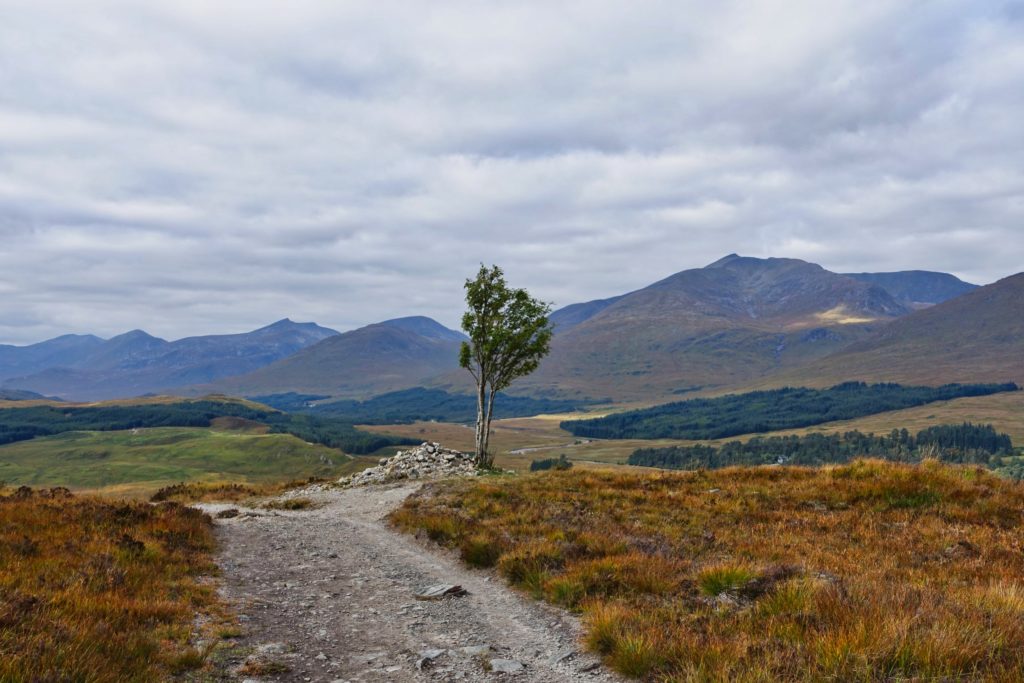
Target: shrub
point(559, 463)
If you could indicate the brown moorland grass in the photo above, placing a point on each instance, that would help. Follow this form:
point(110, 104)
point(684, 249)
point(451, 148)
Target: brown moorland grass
point(224, 492)
point(96, 590)
point(867, 572)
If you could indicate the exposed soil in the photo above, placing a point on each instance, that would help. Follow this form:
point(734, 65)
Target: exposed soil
point(327, 594)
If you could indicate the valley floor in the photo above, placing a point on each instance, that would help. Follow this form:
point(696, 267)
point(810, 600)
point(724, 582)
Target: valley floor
point(328, 595)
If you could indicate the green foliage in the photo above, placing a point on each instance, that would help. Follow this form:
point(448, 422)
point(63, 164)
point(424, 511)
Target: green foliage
point(767, 411)
point(509, 333)
point(508, 330)
point(559, 463)
point(19, 424)
point(416, 404)
point(963, 443)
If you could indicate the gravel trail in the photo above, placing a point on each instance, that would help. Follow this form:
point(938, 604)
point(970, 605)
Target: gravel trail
point(328, 594)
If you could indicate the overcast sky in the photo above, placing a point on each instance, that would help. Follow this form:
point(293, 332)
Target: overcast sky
point(208, 167)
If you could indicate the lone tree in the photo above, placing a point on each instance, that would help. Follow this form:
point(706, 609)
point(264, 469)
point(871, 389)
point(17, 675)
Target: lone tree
point(509, 333)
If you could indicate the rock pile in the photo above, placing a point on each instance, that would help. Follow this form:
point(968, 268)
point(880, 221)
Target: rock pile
point(427, 461)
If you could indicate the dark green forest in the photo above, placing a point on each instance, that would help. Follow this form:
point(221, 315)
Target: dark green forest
point(768, 411)
point(19, 424)
point(963, 443)
point(416, 404)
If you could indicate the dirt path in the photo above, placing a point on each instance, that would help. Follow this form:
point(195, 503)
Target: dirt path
point(329, 594)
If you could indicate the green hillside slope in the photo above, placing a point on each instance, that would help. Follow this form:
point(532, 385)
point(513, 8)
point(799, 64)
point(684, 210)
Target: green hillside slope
point(151, 458)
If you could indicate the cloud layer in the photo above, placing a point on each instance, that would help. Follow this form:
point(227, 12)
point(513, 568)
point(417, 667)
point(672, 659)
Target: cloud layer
point(210, 167)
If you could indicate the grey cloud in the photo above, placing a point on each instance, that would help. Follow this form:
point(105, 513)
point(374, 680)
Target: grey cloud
point(196, 167)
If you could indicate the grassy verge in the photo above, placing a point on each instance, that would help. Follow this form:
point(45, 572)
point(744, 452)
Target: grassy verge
point(248, 494)
point(93, 590)
point(866, 572)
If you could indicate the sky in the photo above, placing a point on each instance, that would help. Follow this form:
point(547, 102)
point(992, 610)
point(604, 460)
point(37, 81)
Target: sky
point(210, 167)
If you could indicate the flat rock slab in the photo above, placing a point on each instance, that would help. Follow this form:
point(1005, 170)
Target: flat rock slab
point(440, 591)
point(507, 666)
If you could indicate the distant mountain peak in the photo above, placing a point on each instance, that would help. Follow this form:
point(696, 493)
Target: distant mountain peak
point(735, 261)
point(135, 335)
point(289, 324)
point(723, 261)
point(423, 326)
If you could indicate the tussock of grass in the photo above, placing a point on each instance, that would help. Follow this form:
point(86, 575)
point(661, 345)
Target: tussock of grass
point(715, 581)
point(98, 591)
point(867, 572)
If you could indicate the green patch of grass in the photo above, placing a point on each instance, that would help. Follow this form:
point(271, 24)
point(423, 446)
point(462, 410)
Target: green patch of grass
point(147, 459)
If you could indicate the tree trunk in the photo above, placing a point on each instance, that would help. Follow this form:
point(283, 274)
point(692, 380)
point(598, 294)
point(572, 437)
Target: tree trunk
point(481, 443)
point(487, 428)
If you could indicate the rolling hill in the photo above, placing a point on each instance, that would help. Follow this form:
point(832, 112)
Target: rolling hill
point(136, 363)
point(146, 459)
point(20, 395)
point(386, 356)
point(977, 337)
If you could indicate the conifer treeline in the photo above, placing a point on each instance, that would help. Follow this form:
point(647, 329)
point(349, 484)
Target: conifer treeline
point(962, 443)
point(769, 411)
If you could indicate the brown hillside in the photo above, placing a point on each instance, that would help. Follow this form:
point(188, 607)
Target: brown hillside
point(975, 337)
point(371, 360)
point(733, 321)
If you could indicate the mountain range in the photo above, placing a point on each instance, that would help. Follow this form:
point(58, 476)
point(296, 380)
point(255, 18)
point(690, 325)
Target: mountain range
point(737, 322)
point(386, 356)
point(87, 368)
